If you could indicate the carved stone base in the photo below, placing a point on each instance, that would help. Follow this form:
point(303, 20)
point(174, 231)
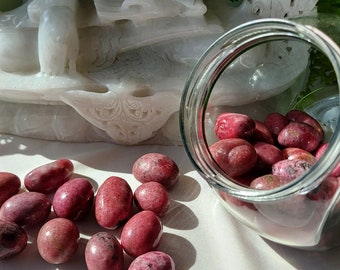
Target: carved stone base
point(103, 70)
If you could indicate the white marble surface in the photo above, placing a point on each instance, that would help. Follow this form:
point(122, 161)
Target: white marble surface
point(198, 232)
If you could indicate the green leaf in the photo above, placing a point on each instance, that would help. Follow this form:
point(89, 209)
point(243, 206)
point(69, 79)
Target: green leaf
point(7, 5)
point(329, 6)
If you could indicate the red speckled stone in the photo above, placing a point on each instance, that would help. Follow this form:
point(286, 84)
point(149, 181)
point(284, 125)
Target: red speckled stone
point(73, 199)
point(26, 208)
point(58, 240)
point(13, 239)
point(156, 167)
point(142, 233)
point(104, 252)
point(48, 177)
point(153, 260)
point(9, 185)
point(113, 202)
point(152, 196)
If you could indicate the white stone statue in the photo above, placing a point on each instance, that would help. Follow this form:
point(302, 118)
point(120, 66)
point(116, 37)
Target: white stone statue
point(113, 70)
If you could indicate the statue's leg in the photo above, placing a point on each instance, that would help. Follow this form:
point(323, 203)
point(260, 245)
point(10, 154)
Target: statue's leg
point(73, 51)
point(58, 42)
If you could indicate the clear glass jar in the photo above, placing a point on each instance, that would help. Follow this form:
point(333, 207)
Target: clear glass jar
point(260, 67)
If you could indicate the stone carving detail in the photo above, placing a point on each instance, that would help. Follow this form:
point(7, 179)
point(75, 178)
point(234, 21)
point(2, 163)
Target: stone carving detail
point(116, 68)
point(124, 117)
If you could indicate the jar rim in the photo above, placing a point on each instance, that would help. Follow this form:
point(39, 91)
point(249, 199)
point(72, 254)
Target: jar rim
point(200, 84)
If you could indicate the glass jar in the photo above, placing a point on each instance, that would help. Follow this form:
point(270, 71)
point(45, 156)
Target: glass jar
point(257, 68)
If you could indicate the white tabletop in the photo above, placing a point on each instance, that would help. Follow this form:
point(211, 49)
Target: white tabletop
point(198, 232)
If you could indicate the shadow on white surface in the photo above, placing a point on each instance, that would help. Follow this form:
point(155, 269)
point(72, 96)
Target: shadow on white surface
point(187, 189)
point(180, 217)
point(107, 157)
point(308, 260)
point(180, 248)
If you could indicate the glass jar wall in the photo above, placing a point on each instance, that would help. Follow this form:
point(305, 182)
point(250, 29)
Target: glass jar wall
point(256, 69)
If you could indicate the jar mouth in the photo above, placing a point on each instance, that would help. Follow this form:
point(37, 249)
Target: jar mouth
point(201, 82)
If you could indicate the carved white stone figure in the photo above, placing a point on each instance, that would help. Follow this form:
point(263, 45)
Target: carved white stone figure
point(106, 70)
point(58, 42)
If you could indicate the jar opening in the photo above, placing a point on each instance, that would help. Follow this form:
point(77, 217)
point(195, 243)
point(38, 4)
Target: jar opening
point(245, 57)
